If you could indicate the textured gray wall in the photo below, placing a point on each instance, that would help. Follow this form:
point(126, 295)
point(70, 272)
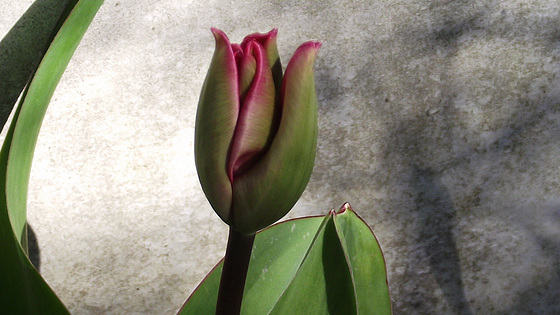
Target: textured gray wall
point(439, 122)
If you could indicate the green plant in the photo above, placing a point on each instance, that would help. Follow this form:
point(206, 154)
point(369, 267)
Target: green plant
point(23, 290)
point(313, 265)
point(316, 265)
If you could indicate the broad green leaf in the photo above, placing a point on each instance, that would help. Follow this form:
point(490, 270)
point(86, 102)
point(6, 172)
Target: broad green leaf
point(323, 283)
point(308, 266)
point(277, 253)
point(23, 291)
point(366, 261)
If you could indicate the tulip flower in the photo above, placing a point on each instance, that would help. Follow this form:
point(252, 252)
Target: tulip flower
point(256, 130)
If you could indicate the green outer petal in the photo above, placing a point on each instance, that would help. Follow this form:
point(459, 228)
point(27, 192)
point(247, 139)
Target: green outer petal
point(367, 264)
point(216, 118)
point(266, 192)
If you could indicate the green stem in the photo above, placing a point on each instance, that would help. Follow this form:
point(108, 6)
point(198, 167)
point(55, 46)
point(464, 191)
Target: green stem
point(234, 272)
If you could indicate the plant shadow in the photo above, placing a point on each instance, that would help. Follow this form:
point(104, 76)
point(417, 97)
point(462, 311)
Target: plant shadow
point(437, 219)
point(23, 47)
point(33, 248)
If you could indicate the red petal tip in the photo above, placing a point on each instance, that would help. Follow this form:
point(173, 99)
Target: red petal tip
point(220, 37)
point(260, 37)
point(306, 49)
point(312, 44)
point(218, 33)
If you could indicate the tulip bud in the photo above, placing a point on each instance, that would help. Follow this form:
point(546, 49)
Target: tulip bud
point(256, 132)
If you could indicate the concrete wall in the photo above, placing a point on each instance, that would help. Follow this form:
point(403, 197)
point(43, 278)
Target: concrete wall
point(439, 122)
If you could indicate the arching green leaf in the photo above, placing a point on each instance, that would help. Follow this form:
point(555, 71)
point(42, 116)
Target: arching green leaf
point(23, 290)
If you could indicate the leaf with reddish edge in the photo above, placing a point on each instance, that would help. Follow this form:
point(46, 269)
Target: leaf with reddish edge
point(277, 252)
point(313, 265)
point(367, 264)
point(323, 282)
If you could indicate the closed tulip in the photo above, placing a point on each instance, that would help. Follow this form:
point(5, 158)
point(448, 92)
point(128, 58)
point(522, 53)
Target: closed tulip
point(256, 130)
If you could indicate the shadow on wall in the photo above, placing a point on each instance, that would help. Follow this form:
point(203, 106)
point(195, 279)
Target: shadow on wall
point(424, 144)
point(542, 297)
point(436, 216)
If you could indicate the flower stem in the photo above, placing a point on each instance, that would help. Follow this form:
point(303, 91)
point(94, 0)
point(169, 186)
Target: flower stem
point(234, 272)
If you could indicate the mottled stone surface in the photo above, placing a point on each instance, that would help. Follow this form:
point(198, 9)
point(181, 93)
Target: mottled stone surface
point(439, 122)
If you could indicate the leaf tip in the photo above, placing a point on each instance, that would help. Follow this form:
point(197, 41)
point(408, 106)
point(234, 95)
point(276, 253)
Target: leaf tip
point(344, 207)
